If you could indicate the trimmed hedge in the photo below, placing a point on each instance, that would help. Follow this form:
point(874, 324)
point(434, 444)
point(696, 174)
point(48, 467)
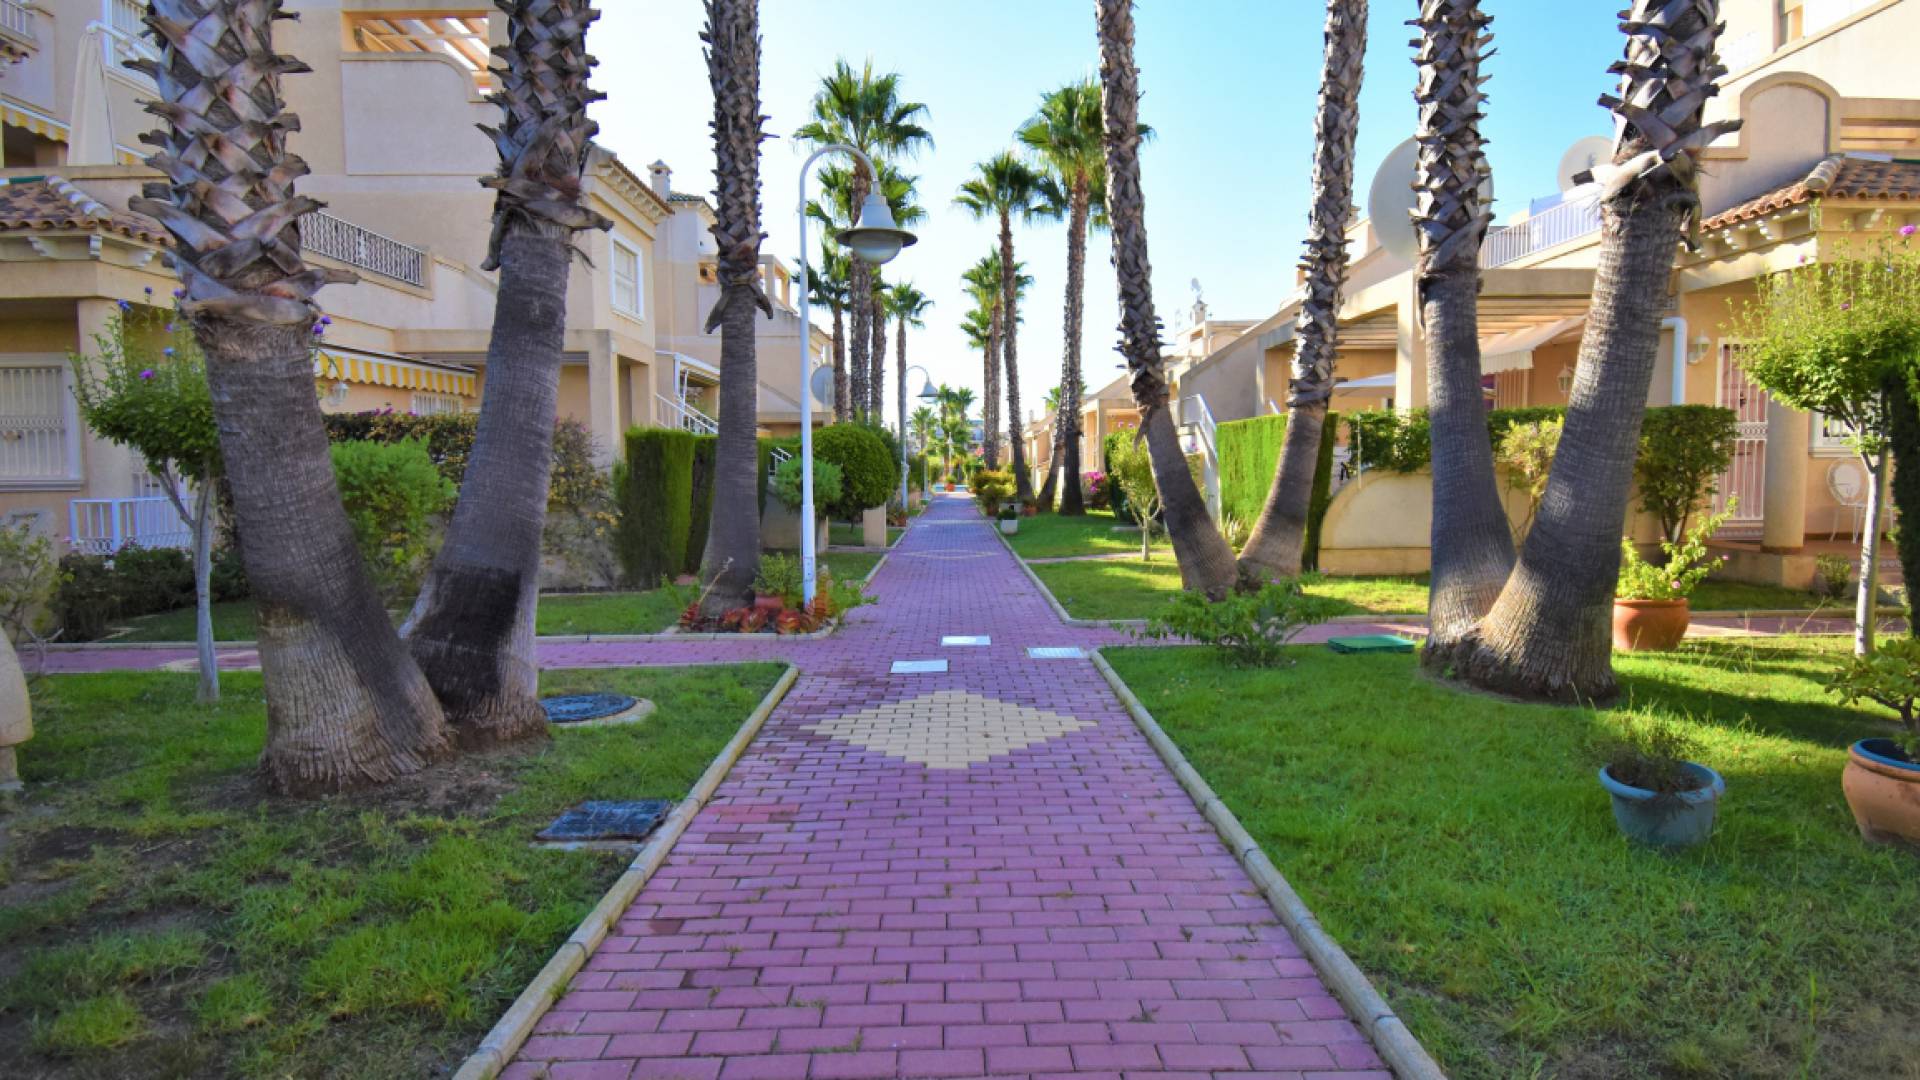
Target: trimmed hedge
point(700, 510)
point(1249, 455)
point(654, 491)
point(868, 473)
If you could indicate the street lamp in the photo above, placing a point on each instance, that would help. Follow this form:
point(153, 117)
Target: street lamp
point(927, 393)
point(875, 239)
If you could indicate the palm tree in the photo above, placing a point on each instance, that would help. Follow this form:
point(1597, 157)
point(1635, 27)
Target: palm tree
point(1275, 546)
point(827, 286)
point(1472, 542)
point(732, 556)
point(472, 629)
point(838, 211)
point(983, 330)
point(1547, 636)
point(901, 194)
point(923, 423)
point(1065, 135)
point(907, 305)
point(346, 704)
point(863, 109)
point(1206, 562)
point(1002, 187)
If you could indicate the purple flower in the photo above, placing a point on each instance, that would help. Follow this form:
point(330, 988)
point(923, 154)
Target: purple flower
point(124, 306)
point(179, 294)
point(326, 320)
point(1846, 307)
point(318, 330)
point(168, 351)
point(148, 290)
point(1909, 230)
point(146, 373)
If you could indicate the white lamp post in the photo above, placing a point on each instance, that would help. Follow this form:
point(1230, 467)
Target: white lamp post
point(875, 239)
point(927, 393)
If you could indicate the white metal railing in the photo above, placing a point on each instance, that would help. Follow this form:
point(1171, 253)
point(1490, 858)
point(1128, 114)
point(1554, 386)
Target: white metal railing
point(774, 457)
point(1549, 228)
point(104, 526)
point(17, 19)
point(682, 415)
point(1197, 418)
point(127, 16)
point(126, 33)
point(336, 238)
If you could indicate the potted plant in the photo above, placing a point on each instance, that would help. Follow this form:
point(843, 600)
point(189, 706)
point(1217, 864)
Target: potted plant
point(777, 584)
point(784, 531)
point(991, 489)
point(1650, 611)
point(1009, 520)
point(1660, 798)
point(1882, 778)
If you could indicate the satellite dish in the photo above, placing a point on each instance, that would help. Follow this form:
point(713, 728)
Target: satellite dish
point(1390, 201)
point(821, 383)
point(1581, 157)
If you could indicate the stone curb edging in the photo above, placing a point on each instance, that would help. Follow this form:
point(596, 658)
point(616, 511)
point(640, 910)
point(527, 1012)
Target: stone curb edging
point(1396, 1044)
point(516, 1024)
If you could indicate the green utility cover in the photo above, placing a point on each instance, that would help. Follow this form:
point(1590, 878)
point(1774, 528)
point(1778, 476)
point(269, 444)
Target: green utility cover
point(1370, 643)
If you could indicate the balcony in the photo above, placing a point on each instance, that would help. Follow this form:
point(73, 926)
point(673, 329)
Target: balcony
point(105, 526)
point(17, 36)
point(126, 37)
point(1547, 229)
point(323, 234)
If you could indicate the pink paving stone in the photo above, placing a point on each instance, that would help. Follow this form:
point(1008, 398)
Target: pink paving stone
point(1062, 910)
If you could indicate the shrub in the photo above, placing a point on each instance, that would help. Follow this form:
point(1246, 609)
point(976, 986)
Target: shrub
point(28, 576)
point(1890, 676)
point(867, 470)
point(1683, 451)
point(700, 508)
point(826, 483)
point(229, 575)
point(1252, 629)
point(990, 489)
point(1385, 439)
point(779, 575)
point(655, 499)
point(1687, 564)
point(1132, 471)
point(392, 493)
point(86, 601)
point(1096, 490)
point(1832, 574)
point(147, 580)
point(1651, 754)
point(448, 438)
point(1527, 451)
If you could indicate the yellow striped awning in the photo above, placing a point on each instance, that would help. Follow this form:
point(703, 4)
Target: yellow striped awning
point(36, 122)
point(369, 369)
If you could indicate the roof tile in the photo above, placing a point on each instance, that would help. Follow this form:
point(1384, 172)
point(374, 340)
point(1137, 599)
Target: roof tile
point(1838, 177)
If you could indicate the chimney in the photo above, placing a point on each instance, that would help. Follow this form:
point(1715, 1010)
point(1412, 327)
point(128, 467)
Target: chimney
point(662, 179)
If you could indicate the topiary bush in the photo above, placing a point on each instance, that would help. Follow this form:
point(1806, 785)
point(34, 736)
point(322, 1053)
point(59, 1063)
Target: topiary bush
point(1683, 451)
point(392, 493)
point(868, 473)
point(655, 498)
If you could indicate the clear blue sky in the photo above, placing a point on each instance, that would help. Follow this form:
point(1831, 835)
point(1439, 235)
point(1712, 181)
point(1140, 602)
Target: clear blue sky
point(1228, 84)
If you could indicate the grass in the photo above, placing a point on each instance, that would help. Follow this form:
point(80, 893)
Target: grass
point(1462, 851)
point(160, 917)
point(1130, 589)
point(1054, 536)
point(644, 612)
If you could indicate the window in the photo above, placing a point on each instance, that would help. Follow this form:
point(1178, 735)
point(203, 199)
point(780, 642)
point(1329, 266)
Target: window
point(1831, 437)
point(628, 279)
point(436, 404)
point(39, 425)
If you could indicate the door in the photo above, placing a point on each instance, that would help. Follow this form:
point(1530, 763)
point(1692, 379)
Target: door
point(1746, 478)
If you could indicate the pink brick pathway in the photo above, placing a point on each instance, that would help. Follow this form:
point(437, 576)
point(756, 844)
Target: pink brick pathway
point(838, 913)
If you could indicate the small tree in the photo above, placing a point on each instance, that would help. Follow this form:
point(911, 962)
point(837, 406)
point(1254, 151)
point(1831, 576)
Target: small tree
point(1683, 451)
point(146, 389)
point(1829, 337)
point(1527, 452)
point(1130, 467)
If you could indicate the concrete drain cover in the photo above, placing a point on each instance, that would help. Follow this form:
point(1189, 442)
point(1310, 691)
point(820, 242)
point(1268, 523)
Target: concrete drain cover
point(592, 822)
point(919, 667)
point(594, 710)
point(966, 639)
point(1067, 653)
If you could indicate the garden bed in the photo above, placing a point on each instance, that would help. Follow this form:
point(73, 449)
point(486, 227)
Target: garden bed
point(1463, 853)
point(161, 917)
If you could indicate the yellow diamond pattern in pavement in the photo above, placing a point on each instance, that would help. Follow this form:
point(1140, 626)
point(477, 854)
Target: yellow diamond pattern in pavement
point(947, 729)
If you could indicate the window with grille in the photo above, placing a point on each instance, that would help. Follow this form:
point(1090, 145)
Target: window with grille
point(436, 404)
point(38, 426)
point(627, 278)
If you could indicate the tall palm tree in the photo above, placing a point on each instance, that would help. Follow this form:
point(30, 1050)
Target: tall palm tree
point(863, 109)
point(1472, 542)
point(827, 286)
point(902, 197)
point(983, 330)
point(472, 629)
point(1547, 636)
point(732, 556)
point(346, 704)
point(908, 306)
point(1206, 562)
point(1275, 546)
point(923, 423)
point(836, 210)
point(1065, 135)
point(1004, 186)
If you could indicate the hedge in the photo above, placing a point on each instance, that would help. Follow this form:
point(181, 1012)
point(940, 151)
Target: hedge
point(1249, 455)
point(700, 511)
point(654, 491)
point(868, 473)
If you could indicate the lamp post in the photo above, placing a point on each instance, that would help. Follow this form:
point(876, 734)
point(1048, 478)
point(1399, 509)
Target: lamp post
point(927, 393)
point(875, 239)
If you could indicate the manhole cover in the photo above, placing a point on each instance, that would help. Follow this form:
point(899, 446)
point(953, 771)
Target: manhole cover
point(592, 821)
point(578, 710)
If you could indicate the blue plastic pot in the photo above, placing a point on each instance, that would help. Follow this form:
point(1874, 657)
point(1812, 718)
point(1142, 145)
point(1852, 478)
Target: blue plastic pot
point(1667, 821)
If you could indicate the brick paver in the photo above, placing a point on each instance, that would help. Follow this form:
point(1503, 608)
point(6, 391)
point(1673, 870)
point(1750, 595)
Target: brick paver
point(985, 871)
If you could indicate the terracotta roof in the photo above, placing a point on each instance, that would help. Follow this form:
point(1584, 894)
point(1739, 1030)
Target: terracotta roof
point(53, 203)
point(1839, 177)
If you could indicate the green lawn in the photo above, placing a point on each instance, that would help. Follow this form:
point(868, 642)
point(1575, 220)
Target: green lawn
point(1053, 536)
point(647, 612)
point(159, 917)
point(1462, 851)
point(1130, 589)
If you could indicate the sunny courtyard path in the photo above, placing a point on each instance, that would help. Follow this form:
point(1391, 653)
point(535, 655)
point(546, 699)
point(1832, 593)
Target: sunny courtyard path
point(979, 872)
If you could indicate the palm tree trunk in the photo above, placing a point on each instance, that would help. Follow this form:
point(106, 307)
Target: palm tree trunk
point(1079, 206)
point(842, 393)
point(1010, 348)
point(732, 555)
point(860, 293)
point(346, 705)
point(1206, 562)
point(1472, 542)
point(900, 392)
point(877, 386)
point(1275, 547)
point(990, 406)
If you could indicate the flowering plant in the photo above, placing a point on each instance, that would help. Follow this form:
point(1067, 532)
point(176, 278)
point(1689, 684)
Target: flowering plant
point(1687, 563)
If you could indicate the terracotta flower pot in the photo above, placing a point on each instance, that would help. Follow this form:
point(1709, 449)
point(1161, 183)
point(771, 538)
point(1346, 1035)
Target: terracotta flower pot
point(1883, 790)
point(1649, 625)
point(769, 604)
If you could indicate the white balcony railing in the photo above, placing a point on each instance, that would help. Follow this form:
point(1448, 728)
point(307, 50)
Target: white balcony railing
point(1549, 228)
point(324, 234)
point(104, 526)
point(682, 415)
point(16, 21)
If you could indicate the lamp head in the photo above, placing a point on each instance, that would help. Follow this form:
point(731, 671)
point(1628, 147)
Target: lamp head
point(876, 239)
point(927, 392)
